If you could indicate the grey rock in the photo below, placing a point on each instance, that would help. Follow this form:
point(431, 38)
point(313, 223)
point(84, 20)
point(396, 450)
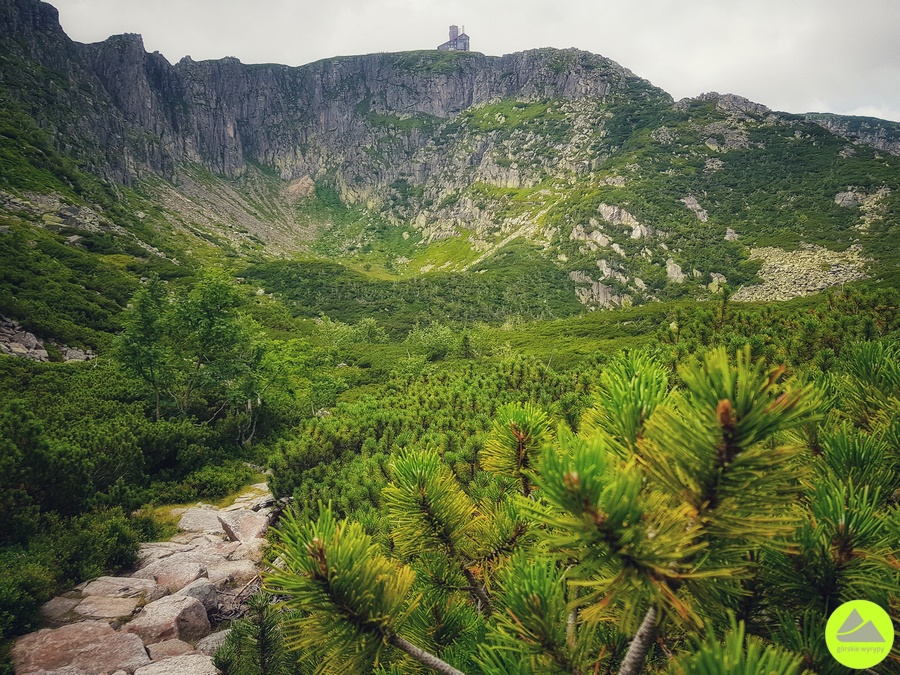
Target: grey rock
point(201, 518)
point(691, 202)
point(169, 648)
point(189, 664)
point(157, 550)
point(58, 609)
point(243, 526)
point(172, 573)
point(232, 573)
point(616, 215)
point(92, 646)
point(673, 271)
point(204, 590)
point(213, 641)
point(718, 280)
point(172, 617)
point(847, 200)
point(101, 607)
point(125, 587)
point(28, 341)
point(253, 551)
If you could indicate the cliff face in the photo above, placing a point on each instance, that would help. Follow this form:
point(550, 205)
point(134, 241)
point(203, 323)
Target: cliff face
point(139, 113)
point(634, 196)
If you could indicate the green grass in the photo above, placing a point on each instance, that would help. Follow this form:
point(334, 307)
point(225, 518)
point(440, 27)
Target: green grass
point(511, 114)
point(517, 282)
point(432, 61)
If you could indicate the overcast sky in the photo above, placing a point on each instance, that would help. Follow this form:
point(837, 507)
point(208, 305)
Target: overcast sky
point(792, 55)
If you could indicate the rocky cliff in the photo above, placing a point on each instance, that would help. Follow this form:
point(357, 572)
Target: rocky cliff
point(146, 114)
point(634, 196)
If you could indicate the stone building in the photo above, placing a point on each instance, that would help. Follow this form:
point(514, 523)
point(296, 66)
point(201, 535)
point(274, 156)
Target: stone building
point(457, 42)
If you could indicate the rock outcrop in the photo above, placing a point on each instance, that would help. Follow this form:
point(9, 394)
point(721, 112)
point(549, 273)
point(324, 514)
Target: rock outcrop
point(16, 341)
point(154, 622)
point(691, 202)
point(879, 134)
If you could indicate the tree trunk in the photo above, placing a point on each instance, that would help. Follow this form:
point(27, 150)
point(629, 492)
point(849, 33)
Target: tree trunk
point(633, 662)
point(424, 657)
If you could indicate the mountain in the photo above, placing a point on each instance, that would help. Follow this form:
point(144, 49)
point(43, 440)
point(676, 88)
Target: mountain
point(399, 165)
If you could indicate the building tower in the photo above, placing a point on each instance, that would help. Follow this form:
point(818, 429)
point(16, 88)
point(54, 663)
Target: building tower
point(457, 42)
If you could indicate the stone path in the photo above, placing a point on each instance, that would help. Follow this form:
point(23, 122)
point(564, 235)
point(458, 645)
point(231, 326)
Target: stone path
point(157, 621)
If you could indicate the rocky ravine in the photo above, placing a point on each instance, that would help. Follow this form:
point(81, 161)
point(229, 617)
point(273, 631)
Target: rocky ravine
point(157, 621)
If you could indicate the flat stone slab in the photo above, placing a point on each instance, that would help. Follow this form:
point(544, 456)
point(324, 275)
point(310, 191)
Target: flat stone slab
point(173, 617)
point(201, 518)
point(102, 607)
point(168, 648)
point(191, 664)
point(253, 551)
point(157, 550)
point(57, 609)
point(172, 573)
point(92, 646)
point(125, 587)
point(243, 526)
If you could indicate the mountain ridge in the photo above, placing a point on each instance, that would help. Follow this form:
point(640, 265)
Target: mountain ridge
point(417, 162)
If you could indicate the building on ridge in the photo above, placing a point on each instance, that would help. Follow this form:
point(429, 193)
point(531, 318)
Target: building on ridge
point(458, 42)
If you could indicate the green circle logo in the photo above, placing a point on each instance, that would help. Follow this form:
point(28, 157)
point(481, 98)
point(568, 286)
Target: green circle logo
point(859, 634)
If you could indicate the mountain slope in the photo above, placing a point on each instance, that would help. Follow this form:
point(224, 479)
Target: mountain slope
point(426, 162)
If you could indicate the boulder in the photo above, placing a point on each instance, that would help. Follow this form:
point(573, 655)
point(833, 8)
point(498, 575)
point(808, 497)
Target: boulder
point(92, 646)
point(101, 607)
point(172, 617)
point(189, 664)
point(213, 641)
point(204, 590)
point(125, 587)
point(243, 526)
point(169, 648)
point(173, 573)
point(847, 200)
point(673, 271)
point(28, 341)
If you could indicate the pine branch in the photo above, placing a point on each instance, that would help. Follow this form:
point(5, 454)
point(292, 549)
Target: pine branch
point(640, 645)
point(478, 591)
point(423, 657)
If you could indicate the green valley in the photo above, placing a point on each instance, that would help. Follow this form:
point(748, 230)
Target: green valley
point(546, 371)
